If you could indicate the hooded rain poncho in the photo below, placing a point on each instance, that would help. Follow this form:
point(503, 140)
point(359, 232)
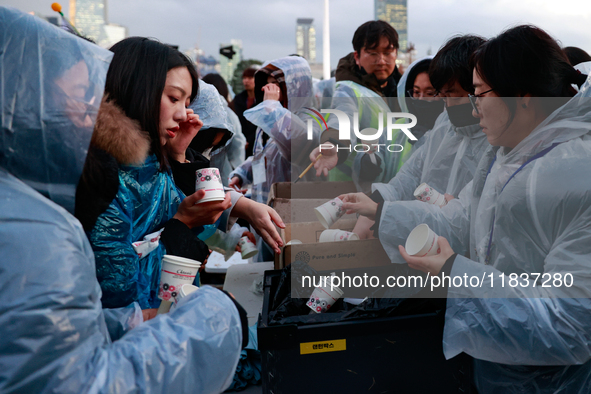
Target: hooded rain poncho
point(55, 336)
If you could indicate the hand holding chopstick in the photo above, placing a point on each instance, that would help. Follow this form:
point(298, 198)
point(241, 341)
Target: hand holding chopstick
point(308, 168)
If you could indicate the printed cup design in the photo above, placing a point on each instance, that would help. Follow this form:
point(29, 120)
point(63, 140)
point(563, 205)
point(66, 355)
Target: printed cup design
point(323, 298)
point(248, 249)
point(337, 236)
point(184, 291)
point(329, 212)
point(209, 179)
point(429, 195)
point(176, 271)
point(422, 241)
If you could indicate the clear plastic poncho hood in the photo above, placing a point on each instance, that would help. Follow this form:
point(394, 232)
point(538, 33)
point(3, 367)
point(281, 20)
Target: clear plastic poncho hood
point(52, 85)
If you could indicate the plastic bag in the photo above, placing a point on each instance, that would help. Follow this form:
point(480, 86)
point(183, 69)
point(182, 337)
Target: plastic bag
point(225, 243)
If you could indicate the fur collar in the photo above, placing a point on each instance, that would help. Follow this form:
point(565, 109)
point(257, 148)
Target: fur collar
point(119, 135)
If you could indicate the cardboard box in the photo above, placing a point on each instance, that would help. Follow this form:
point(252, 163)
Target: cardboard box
point(329, 255)
point(309, 190)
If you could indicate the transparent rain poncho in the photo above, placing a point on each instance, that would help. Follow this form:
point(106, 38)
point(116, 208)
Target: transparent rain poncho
point(55, 336)
point(286, 152)
point(214, 113)
point(446, 161)
point(524, 338)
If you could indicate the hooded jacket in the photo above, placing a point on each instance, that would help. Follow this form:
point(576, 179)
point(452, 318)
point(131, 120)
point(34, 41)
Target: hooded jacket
point(144, 202)
point(55, 335)
point(526, 214)
point(287, 147)
point(215, 114)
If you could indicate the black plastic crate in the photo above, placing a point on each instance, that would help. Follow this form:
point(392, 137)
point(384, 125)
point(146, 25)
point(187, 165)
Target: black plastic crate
point(382, 355)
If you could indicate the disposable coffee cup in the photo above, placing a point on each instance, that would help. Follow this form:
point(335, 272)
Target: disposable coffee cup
point(247, 248)
point(422, 241)
point(323, 297)
point(209, 179)
point(337, 236)
point(429, 195)
point(329, 212)
point(176, 271)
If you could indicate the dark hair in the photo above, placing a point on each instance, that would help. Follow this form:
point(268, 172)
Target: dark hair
point(136, 80)
point(525, 60)
point(369, 34)
point(420, 67)
point(576, 55)
point(249, 72)
point(452, 62)
point(218, 82)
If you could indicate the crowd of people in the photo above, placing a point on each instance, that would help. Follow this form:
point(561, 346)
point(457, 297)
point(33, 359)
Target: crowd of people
point(100, 148)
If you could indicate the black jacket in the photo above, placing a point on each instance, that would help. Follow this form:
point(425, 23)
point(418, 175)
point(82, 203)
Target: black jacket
point(248, 129)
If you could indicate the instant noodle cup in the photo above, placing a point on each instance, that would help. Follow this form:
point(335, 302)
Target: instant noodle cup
point(329, 212)
point(324, 297)
point(209, 179)
point(247, 248)
point(422, 241)
point(429, 195)
point(176, 271)
point(337, 236)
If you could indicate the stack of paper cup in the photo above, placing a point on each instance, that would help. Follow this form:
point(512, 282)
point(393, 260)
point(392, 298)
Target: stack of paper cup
point(324, 297)
point(209, 179)
point(422, 241)
point(427, 194)
point(337, 236)
point(176, 271)
point(247, 248)
point(329, 212)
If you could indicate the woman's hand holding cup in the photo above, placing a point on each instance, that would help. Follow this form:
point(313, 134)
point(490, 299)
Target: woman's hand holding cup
point(359, 203)
point(193, 214)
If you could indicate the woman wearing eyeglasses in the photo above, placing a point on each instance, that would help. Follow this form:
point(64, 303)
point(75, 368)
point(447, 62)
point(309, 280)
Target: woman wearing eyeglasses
point(523, 222)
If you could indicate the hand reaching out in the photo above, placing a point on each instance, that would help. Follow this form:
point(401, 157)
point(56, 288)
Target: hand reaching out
point(326, 162)
point(193, 214)
point(359, 203)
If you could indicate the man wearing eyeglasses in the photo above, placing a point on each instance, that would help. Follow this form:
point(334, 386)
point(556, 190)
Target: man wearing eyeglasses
point(448, 158)
point(366, 82)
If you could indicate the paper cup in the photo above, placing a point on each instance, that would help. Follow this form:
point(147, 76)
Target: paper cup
point(294, 242)
point(209, 179)
point(247, 248)
point(176, 271)
point(329, 212)
point(184, 291)
point(337, 236)
point(422, 241)
point(429, 195)
point(323, 298)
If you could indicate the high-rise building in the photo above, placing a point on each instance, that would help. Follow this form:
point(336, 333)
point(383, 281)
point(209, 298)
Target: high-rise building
point(395, 13)
point(228, 65)
point(90, 18)
point(306, 39)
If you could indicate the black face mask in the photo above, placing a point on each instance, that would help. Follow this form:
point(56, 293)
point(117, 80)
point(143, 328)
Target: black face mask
point(461, 115)
point(425, 111)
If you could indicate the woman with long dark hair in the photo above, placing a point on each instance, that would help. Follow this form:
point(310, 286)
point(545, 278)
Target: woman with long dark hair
point(127, 191)
point(55, 335)
point(523, 222)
